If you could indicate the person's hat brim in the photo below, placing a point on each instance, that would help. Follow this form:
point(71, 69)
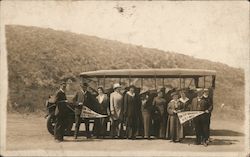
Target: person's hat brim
point(63, 83)
point(174, 93)
point(144, 92)
point(117, 85)
point(198, 90)
point(159, 90)
point(84, 84)
point(205, 90)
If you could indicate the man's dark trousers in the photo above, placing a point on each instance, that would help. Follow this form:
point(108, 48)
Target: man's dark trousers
point(60, 126)
point(202, 128)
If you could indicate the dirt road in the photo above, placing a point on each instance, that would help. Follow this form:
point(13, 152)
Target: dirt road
point(28, 132)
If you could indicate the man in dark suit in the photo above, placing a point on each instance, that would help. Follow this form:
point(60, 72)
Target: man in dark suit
point(83, 98)
point(61, 113)
point(208, 97)
point(202, 121)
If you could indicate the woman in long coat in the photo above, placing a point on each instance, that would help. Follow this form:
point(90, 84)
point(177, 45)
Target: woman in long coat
point(146, 109)
point(131, 112)
point(103, 104)
point(174, 128)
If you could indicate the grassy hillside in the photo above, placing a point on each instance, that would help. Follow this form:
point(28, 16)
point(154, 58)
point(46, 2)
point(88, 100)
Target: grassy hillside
point(38, 58)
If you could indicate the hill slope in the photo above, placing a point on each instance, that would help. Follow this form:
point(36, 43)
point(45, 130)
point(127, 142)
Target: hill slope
point(38, 58)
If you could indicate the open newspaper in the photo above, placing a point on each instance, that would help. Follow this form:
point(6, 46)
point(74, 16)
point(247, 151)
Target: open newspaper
point(188, 115)
point(88, 113)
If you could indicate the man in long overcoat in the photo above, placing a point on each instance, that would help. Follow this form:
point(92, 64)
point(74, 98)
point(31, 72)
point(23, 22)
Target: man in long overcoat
point(116, 113)
point(61, 113)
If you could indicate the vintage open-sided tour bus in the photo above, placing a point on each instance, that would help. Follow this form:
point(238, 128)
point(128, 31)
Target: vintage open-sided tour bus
point(153, 77)
point(149, 79)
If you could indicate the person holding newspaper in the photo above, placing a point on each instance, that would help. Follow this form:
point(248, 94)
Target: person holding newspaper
point(186, 103)
point(174, 128)
point(201, 122)
point(82, 98)
point(209, 101)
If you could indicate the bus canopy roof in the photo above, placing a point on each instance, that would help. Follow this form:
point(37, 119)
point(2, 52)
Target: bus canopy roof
point(149, 73)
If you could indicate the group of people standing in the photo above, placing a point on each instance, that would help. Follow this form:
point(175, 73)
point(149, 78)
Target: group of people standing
point(133, 113)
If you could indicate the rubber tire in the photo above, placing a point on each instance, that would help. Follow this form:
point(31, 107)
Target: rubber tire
point(51, 124)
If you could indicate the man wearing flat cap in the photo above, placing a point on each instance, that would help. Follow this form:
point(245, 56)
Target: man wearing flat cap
point(61, 113)
point(82, 98)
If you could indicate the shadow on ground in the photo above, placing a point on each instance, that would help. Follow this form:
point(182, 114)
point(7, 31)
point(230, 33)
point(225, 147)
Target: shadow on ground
point(190, 141)
point(225, 133)
point(216, 132)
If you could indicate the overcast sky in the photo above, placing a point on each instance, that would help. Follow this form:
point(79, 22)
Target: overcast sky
point(218, 31)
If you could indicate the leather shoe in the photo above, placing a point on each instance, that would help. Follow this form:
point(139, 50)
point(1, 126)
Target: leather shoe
point(58, 141)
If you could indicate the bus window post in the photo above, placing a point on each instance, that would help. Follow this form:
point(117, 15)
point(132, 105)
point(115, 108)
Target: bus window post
point(141, 82)
point(184, 82)
point(98, 82)
point(155, 81)
point(196, 82)
point(104, 82)
point(213, 82)
point(204, 81)
point(180, 81)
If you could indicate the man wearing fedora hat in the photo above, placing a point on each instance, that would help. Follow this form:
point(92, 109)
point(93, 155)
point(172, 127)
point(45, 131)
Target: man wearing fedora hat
point(116, 104)
point(82, 98)
point(201, 121)
point(209, 107)
point(61, 113)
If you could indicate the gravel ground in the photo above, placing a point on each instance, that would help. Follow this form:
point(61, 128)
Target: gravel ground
point(29, 133)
